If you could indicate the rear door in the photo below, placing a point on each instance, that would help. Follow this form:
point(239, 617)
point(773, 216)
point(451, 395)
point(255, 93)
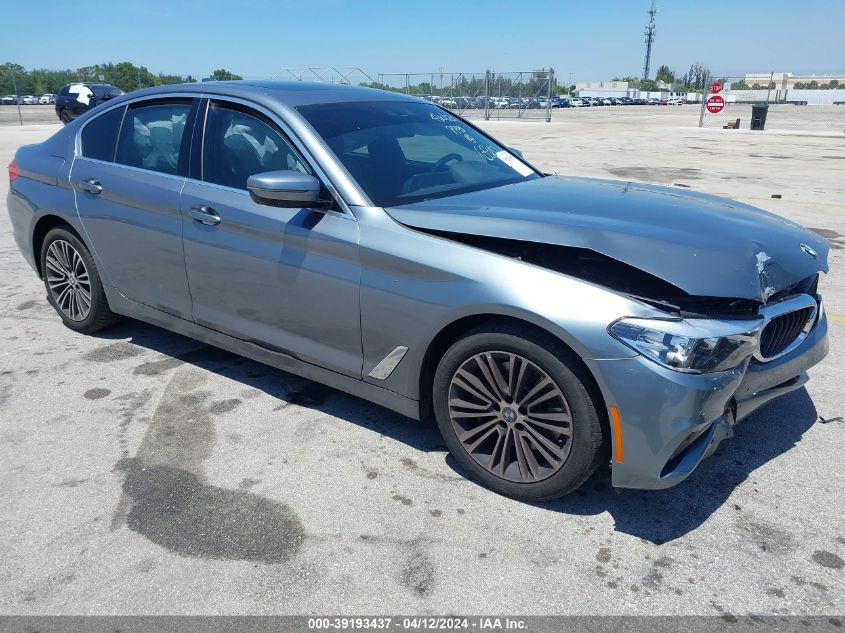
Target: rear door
point(127, 194)
point(286, 279)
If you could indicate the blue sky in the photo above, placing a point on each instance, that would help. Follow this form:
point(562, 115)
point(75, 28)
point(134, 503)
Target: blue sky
point(589, 39)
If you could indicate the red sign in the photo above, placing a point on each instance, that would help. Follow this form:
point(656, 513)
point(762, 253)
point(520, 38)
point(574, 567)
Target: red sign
point(715, 104)
point(715, 87)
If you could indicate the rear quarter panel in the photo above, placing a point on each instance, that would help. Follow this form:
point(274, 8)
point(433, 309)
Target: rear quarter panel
point(42, 188)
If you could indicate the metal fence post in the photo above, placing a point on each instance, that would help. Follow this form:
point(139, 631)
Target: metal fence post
point(17, 96)
point(487, 95)
point(549, 78)
point(705, 91)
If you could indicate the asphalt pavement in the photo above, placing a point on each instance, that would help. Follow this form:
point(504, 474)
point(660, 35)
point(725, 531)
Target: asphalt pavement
point(143, 472)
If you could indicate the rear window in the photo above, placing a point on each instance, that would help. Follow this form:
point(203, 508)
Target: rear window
point(151, 135)
point(100, 135)
point(105, 90)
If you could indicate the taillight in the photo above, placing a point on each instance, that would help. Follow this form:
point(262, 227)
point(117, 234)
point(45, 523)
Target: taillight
point(14, 171)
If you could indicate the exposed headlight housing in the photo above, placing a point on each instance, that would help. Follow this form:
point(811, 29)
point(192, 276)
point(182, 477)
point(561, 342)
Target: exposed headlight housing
point(695, 346)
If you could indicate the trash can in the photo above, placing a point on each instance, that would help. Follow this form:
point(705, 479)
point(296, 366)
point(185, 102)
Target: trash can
point(758, 115)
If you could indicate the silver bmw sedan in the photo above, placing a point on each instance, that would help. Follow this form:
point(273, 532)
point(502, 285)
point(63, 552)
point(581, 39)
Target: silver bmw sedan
point(384, 246)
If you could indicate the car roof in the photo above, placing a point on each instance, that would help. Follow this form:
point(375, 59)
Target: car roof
point(288, 93)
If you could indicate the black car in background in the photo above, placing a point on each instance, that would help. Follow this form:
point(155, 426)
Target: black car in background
point(74, 100)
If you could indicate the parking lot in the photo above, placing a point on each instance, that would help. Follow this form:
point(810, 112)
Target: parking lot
point(294, 498)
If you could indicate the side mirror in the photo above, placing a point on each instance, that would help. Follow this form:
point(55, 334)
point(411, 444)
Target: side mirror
point(515, 151)
point(284, 188)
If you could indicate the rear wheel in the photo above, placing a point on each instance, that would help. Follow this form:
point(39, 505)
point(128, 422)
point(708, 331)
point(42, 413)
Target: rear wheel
point(73, 284)
point(515, 411)
point(64, 116)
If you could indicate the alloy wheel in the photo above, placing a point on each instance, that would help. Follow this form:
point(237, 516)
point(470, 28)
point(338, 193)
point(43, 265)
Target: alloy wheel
point(68, 280)
point(510, 416)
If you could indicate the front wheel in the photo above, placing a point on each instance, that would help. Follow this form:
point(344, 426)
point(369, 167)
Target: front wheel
point(64, 116)
point(515, 410)
point(73, 284)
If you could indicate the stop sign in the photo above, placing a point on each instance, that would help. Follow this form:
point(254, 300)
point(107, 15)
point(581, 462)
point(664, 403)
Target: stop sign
point(715, 87)
point(715, 104)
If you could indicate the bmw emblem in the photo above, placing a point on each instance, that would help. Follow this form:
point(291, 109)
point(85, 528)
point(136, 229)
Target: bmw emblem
point(809, 250)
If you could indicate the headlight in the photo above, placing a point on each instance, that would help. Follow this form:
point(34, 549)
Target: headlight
point(693, 345)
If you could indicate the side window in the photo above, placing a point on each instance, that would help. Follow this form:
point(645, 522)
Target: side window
point(100, 135)
point(151, 135)
point(65, 91)
point(238, 144)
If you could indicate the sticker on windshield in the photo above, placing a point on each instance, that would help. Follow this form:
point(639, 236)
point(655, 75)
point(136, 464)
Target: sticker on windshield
point(513, 163)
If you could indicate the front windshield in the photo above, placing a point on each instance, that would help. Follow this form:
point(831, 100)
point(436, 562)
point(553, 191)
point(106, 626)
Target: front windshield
point(401, 152)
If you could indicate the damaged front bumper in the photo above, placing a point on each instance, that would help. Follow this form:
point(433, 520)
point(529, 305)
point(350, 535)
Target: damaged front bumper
point(670, 421)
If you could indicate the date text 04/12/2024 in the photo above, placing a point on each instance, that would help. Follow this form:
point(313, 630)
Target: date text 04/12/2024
point(429, 623)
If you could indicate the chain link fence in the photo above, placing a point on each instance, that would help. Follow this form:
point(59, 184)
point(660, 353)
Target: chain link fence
point(489, 94)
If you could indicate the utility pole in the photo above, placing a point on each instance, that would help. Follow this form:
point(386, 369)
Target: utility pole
point(649, 40)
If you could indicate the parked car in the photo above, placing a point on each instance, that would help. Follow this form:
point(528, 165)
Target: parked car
point(653, 101)
point(47, 99)
point(11, 100)
point(449, 103)
point(564, 102)
point(676, 101)
point(76, 99)
point(29, 100)
point(550, 324)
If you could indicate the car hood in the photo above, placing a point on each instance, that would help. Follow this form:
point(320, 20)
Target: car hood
point(705, 245)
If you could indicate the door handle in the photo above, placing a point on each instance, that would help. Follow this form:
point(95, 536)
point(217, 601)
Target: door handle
point(205, 215)
point(91, 186)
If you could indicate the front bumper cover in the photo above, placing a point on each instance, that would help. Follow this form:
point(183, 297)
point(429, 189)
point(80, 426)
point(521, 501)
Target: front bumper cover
point(671, 421)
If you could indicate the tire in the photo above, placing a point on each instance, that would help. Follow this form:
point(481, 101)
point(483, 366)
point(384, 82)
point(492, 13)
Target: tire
point(64, 116)
point(573, 407)
point(73, 283)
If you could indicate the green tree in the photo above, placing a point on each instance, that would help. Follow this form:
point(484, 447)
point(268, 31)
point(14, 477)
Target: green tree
point(665, 74)
point(221, 74)
point(11, 74)
point(834, 84)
